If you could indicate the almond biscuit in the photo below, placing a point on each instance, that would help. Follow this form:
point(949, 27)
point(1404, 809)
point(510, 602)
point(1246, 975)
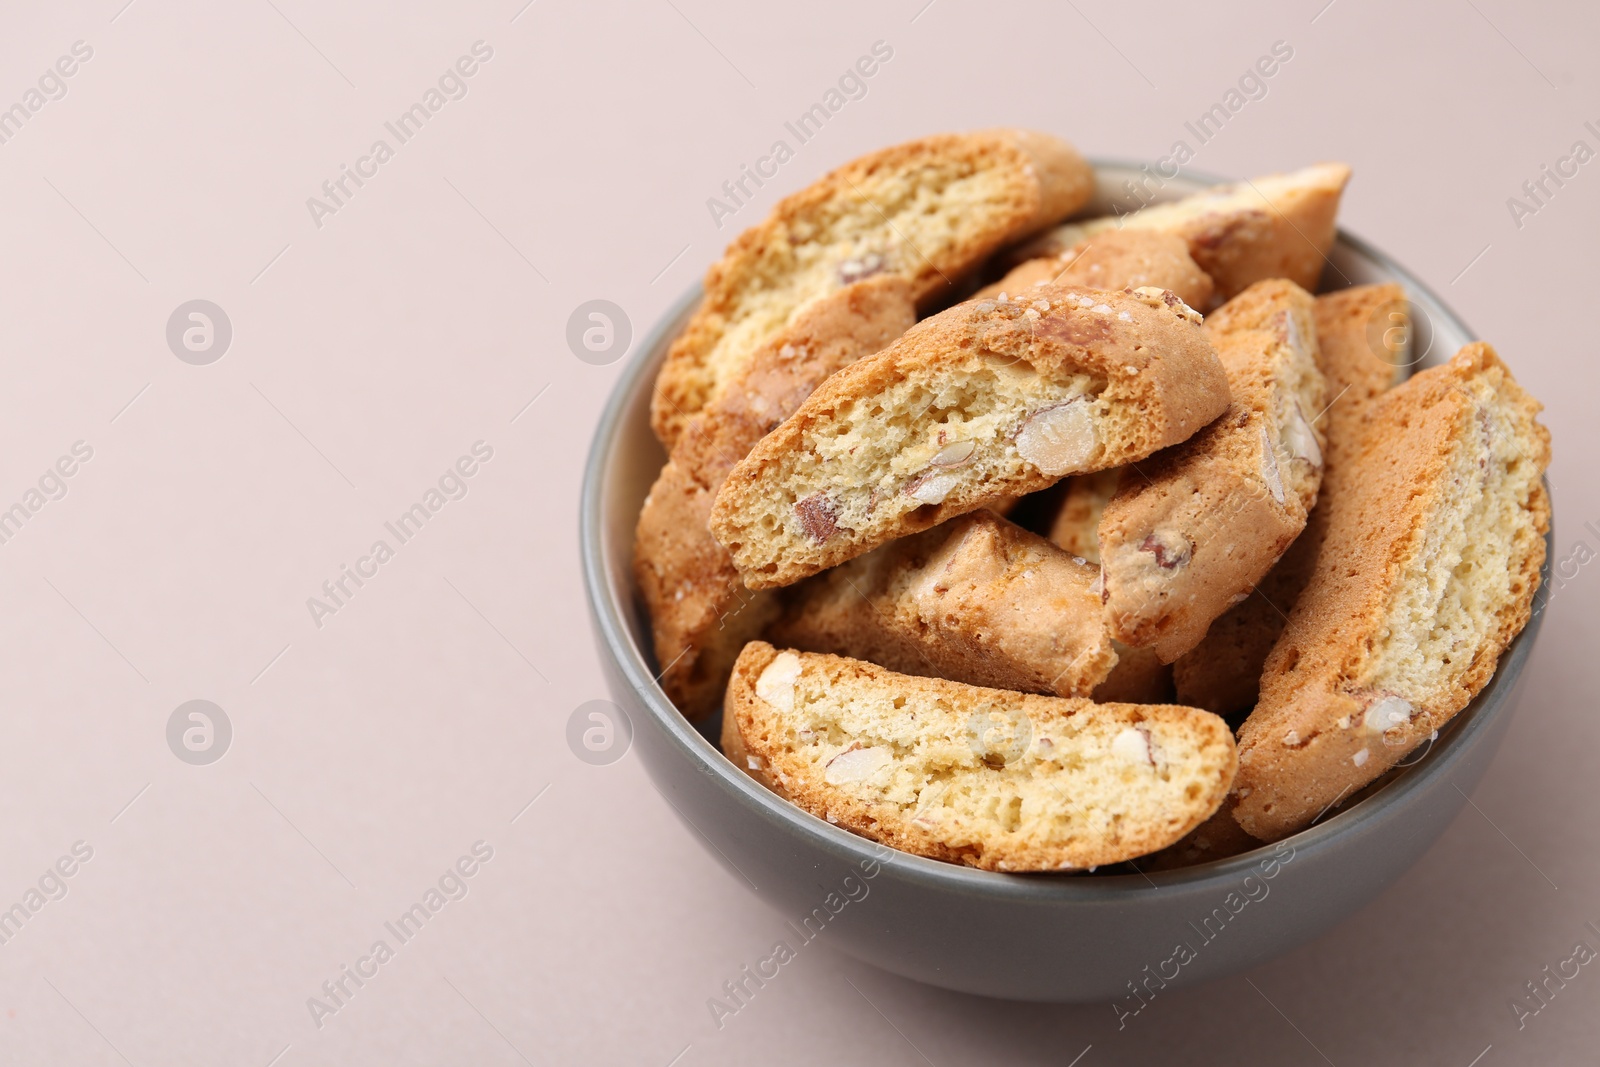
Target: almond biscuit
point(928, 211)
point(1362, 345)
point(977, 600)
point(701, 614)
point(1427, 572)
point(1190, 532)
point(993, 779)
point(1115, 259)
point(981, 401)
point(1277, 226)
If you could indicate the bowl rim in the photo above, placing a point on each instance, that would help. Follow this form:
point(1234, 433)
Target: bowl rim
point(610, 605)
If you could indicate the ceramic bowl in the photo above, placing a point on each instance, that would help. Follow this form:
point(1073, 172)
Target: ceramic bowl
point(1084, 937)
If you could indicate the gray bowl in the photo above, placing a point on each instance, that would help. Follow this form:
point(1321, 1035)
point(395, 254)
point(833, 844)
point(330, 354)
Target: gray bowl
point(1028, 937)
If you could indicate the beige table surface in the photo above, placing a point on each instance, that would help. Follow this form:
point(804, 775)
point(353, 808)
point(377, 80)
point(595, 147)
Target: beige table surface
point(375, 343)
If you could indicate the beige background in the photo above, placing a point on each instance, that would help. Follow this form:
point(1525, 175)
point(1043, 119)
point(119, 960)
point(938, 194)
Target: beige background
point(369, 353)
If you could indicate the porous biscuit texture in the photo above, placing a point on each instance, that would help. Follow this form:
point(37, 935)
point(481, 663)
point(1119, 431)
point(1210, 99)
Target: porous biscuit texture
point(1276, 226)
point(1428, 571)
point(1190, 532)
point(977, 600)
point(928, 211)
point(1363, 346)
point(982, 401)
point(993, 779)
point(701, 613)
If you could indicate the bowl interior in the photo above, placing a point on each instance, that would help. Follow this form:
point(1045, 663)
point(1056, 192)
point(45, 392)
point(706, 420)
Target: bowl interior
point(626, 458)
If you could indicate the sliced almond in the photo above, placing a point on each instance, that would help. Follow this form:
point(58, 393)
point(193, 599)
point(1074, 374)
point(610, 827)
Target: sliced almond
point(1060, 439)
point(954, 454)
point(1386, 714)
point(856, 765)
point(776, 683)
point(1301, 438)
point(1269, 467)
point(1132, 746)
point(933, 488)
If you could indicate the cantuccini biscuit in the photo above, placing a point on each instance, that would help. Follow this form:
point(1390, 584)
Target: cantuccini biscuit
point(1427, 572)
point(976, 600)
point(990, 778)
point(981, 401)
point(928, 211)
point(1363, 346)
point(701, 614)
point(1191, 531)
point(1277, 226)
point(1114, 259)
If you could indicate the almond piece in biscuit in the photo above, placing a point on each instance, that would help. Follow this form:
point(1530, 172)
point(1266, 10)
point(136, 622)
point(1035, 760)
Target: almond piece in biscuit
point(1277, 226)
point(982, 401)
point(977, 600)
point(994, 779)
point(929, 211)
point(1427, 572)
point(701, 613)
point(1191, 532)
point(1362, 345)
point(1115, 259)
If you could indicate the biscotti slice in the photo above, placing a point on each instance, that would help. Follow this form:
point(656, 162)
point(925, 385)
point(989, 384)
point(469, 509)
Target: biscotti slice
point(1277, 226)
point(1190, 532)
point(701, 614)
point(977, 600)
point(1428, 571)
point(982, 401)
point(1115, 259)
point(998, 780)
point(1363, 344)
point(1076, 526)
point(929, 211)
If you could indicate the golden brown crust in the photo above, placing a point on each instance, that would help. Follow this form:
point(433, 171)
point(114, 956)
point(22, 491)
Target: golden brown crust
point(701, 613)
point(824, 337)
point(1007, 184)
point(1360, 354)
point(1192, 530)
point(976, 600)
point(848, 470)
point(993, 779)
point(1427, 572)
point(1116, 259)
point(1275, 226)
point(1065, 180)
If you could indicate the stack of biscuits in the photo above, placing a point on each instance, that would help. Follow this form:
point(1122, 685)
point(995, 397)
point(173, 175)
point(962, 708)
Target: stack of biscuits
point(1036, 542)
